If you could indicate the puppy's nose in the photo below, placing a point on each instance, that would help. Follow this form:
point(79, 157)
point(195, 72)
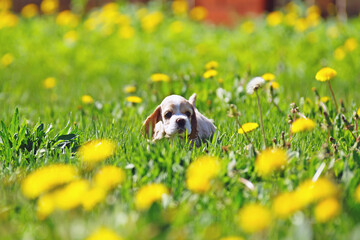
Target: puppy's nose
point(180, 122)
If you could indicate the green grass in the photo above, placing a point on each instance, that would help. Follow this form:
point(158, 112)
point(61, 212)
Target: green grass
point(102, 65)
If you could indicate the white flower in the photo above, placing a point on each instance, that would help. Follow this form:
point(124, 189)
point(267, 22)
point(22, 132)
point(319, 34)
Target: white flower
point(254, 84)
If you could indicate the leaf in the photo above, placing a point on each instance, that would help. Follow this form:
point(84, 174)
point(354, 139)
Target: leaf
point(14, 125)
point(5, 135)
point(66, 137)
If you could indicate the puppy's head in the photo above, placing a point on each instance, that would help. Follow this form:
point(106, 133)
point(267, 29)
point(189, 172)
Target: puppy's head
point(177, 116)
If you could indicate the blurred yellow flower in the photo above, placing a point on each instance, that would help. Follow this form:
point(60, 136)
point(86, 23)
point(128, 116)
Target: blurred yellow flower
point(327, 210)
point(130, 89)
point(198, 13)
point(358, 111)
point(133, 99)
point(7, 59)
point(210, 73)
point(339, 53)
point(160, 77)
point(149, 194)
point(49, 83)
point(92, 197)
point(248, 27)
point(67, 18)
point(45, 206)
point(126, 32)
point(70, 37)
point(357, 190)
point(109, 177)
point(96, 150)
point(150, 21)
point(29, 10)
point(313, 9)
point(290, 19)
point(302, 124)
point(270, 160)
point(71, 195)
point(49, 6)
point(248, 127)
point(274, 18)
point(232, 238)
point(324, 99)
point(268, 76)
point(325, 74)
point(285, 205)
point(87, 99)
point(313, 19)
point(176, 27)
point(301, 25)
point(179, 7)
point(254, 218)
point(200, 172)
point(46, 178)
point(5, 5)
point(104, 234)
point(7, 19)
point(275, 85)
point(211, 65)
point(351, 44)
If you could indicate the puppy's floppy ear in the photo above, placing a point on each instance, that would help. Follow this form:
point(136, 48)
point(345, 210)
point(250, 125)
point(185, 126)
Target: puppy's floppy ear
point(150, 122)
point(192, 99)
point(193, 121)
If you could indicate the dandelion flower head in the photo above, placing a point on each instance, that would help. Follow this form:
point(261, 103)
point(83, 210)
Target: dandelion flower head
point(302, 124)
point(109, 177)
point(268, 77)
point(46, 178)
point(96, 150)
point(210, 73)
point(325, 74)
point(254, 84)
point(270, 160)
point(49, 83)
point(104, 234)
point(149, 194)
point(211, 65)
point(134, 99)
point(248, 127)
point(87, 99)
point(160, 77)
point(254, 218)
point(327, 210)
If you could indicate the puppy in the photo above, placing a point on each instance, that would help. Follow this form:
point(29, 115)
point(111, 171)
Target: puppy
point(178, 116)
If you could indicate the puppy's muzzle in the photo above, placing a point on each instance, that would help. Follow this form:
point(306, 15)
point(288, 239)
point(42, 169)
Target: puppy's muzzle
point(180, 122)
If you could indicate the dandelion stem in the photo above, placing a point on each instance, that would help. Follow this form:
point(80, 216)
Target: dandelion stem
point(333, 95)
point(261, 121)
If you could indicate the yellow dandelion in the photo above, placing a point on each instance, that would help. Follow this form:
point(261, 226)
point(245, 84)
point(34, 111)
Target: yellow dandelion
point(325, 74)
point(302, 124)
point(5, 5)
point(149, 194)
point(210, 73)
point(130, 89)
point(109, 177)
point(268, 77)
point(232, 238)
point(133, 99)
point(45, 206)
point(275, 85)
point(290, 18)
point(160, 77)
point(177, 27)
point(93, 197)
point(211, 65)
point(200, 172)
point(254, 218)
point(339, 53)
point(274, 18)
point(70, 37)
point(327, 209)
point(46, 178)
point(248, 127)
point(198, 13)
point(285, 205)
point(150, 21)
point(179, 7)
point(358, 111)
point(269, 160)
point(71, 195)
point(29, 10)
point(49, 6)
point(87, 99)
point(8, 19)
point(96, 150)
point(301, 25)
point(324, 99)
point(248, 27)
point(351, 44)
point(357, 191)
point(126, 32)
point(7, 59)
point(49, 83)
point(104, 234)
point(67, 18)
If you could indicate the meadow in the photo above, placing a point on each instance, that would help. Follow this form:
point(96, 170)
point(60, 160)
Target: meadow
point(75, 89)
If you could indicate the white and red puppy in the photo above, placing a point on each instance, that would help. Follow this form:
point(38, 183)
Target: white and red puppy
point(178, 116)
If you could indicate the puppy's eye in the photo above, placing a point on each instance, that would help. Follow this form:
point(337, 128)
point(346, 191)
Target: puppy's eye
point(188, 113)
point(168, 115)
